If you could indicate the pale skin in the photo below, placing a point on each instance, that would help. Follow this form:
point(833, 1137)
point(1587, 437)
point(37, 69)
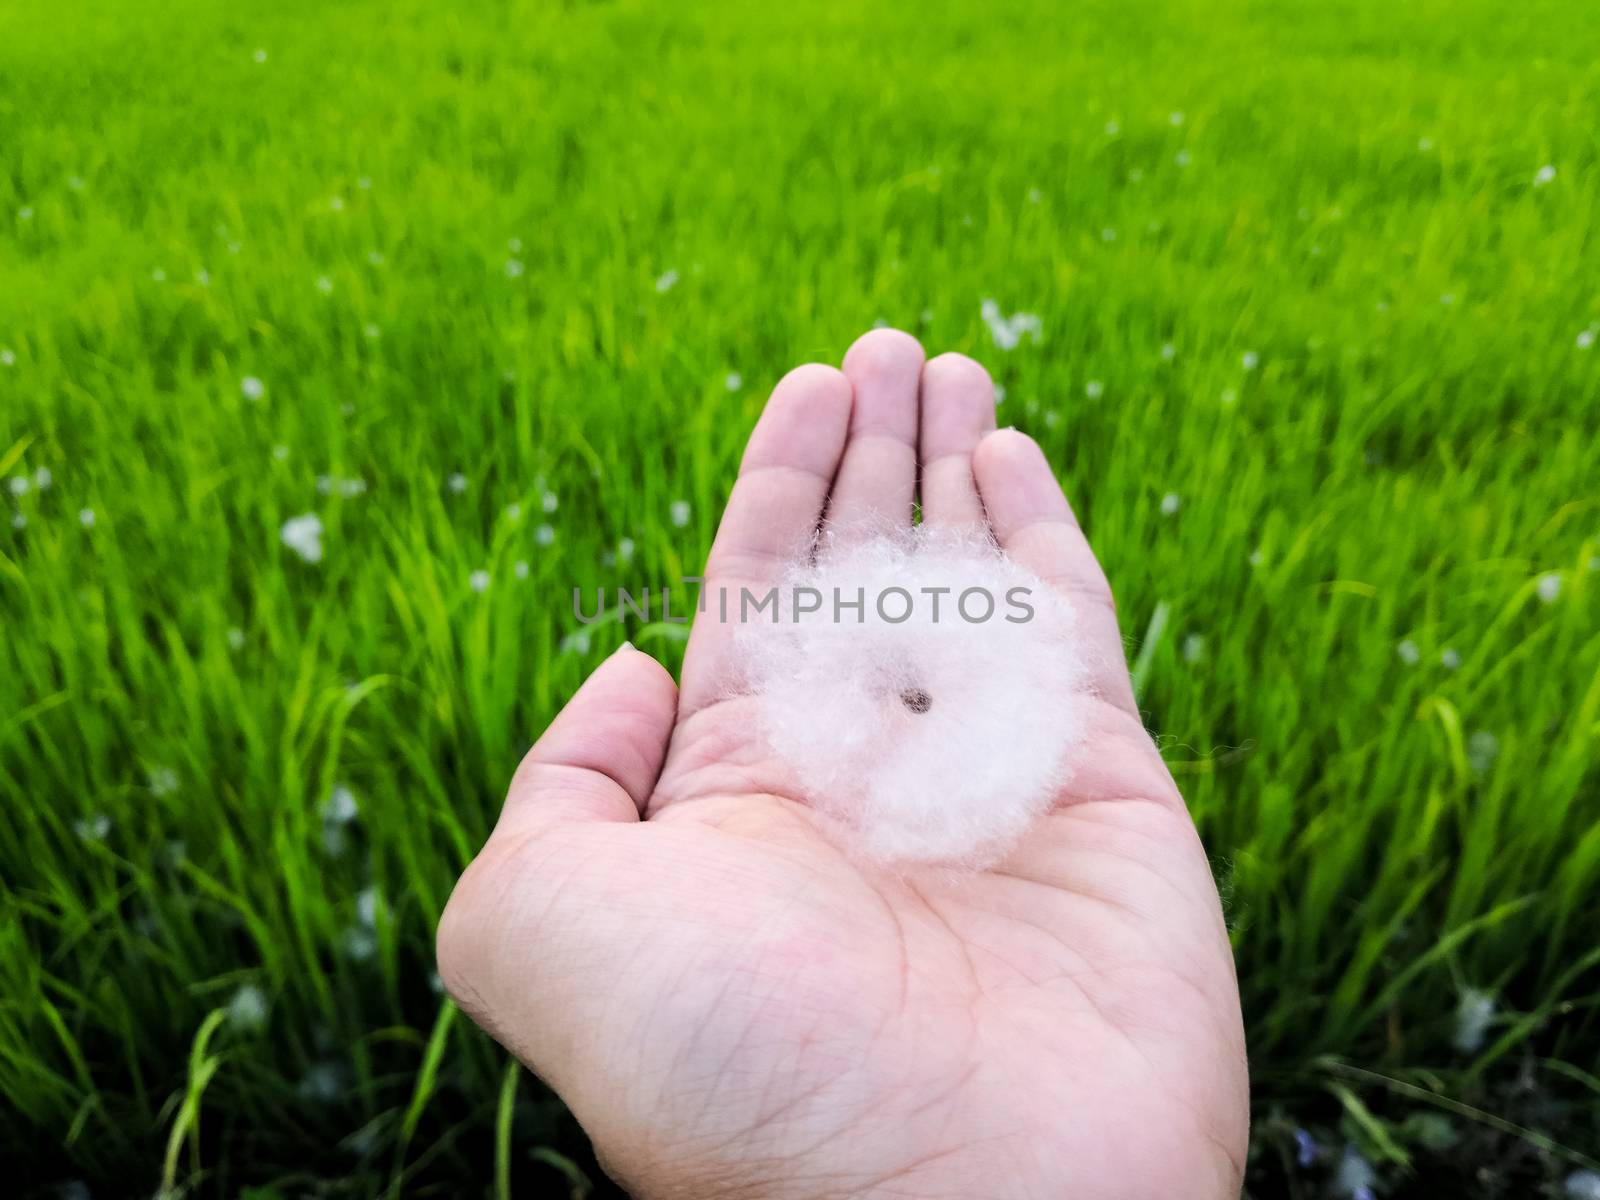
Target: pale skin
point(734, 1004)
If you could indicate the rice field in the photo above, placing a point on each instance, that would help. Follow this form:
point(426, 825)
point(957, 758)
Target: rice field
point(339, 343)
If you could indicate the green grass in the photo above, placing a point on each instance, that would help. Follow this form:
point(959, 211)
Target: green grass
point(1349, 195)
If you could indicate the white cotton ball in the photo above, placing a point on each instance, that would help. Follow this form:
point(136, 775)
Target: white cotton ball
point(936, 720)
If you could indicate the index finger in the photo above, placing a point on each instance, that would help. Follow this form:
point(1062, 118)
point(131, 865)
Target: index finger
point(772, 514)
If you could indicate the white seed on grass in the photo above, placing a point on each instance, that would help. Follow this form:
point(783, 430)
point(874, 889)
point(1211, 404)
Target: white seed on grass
point(1168, 351)
point(340, 807)
point(1545, 174)
point(1094, 389)
point(1175, 119)
point(544, 535)
point(323, 1081)
point(1354, 1178)
point(360, 944)
point(1008, 332)
point(1408, 652)
point(163, 781)
point(514, 268)
point(280, 452)
point(625, 550)
point(25, 213)
point(203, 277)
point(734, 381)
point(1582, 1185)
point(252, 388)
point(248, 1008)
point(367, 907)
point(324, 285)
point(666, 281)
point(1425, 144)
point(549, 502)
point(303, 535)
point(1474, 1012)
point(513, 512)
point(520, 569)
point(576, 643)
point(1482, 749)
point(1549, 587)
point(478, 581)
point(8, 357)
point(19, 485)
point(1249, 360)
point(1171, 503)
point(1585, 339)
point(336, 203)
point(86, 517)
point(680, 513)
point(1181, 158)
point(18, 521)
point(92, 828)
point(1194, 648)
point(457, 482)
point(235, 638)
point(42, 479)
point(1449, 658)
point(260, 56)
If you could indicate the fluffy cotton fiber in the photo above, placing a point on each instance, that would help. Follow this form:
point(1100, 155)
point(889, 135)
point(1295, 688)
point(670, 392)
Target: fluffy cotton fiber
point(937, 737)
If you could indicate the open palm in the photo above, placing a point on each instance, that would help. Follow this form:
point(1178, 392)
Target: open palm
point(734, 1005)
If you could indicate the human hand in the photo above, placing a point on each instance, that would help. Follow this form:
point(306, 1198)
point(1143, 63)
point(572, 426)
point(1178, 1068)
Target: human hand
point(734, 1005)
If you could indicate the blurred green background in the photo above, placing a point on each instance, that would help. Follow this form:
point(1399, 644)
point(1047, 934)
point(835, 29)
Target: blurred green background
point(494, 295)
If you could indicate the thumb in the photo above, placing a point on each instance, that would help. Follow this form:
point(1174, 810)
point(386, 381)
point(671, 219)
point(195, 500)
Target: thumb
point(597, 762)
point(599, 759)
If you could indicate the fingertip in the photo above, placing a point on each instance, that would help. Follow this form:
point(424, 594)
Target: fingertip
point(806, 421)
point(882, 352)
point(814, 380)
point(1007, 448)
point(638, 670)
point(957, 370)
